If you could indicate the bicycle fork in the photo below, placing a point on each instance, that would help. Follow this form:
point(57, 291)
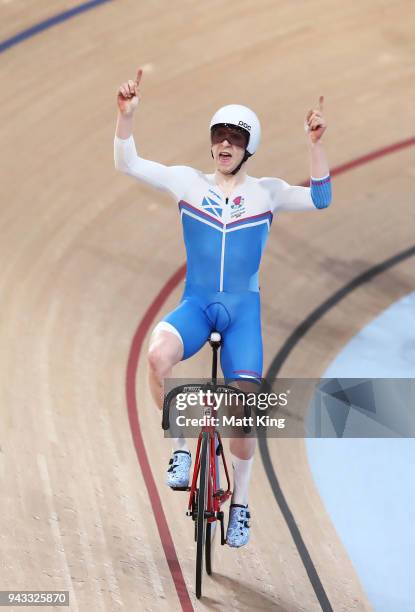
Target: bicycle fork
point(216, 496)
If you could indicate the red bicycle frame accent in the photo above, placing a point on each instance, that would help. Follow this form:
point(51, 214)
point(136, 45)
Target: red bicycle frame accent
point(215, 497)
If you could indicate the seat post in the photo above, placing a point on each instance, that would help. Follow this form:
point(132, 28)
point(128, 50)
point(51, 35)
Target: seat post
point(215, 341)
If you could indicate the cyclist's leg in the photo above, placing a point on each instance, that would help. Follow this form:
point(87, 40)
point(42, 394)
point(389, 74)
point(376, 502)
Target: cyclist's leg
point(178, 336)
point(181, 334)
point(241, 361)
point(165, 350)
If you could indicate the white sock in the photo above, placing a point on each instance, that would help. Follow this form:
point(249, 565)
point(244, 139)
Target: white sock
point(179, 444)
point(241, 477)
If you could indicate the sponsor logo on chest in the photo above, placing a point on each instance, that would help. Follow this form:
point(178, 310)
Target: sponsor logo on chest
point(237, 207)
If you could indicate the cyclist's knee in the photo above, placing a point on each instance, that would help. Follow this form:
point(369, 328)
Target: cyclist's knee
point(246, 385)
point(164, 352)
point(158, 361)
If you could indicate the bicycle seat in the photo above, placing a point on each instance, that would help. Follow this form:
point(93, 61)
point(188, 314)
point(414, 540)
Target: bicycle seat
point(215, 337)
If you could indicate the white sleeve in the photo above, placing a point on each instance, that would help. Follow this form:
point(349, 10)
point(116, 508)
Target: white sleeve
point(173, 179)
point(288, 197)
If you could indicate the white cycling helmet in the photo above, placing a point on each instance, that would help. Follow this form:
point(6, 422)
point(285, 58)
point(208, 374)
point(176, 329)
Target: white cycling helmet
point(243, 117)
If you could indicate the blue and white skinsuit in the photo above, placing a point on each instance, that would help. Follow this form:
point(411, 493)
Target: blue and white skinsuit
point(224, 238)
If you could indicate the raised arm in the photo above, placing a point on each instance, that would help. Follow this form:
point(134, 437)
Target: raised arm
point(126, 159)
point(128, 96)
point(318, 195)
point(320, 180)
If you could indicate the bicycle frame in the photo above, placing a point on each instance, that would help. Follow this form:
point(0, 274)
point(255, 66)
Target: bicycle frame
point(216, 497)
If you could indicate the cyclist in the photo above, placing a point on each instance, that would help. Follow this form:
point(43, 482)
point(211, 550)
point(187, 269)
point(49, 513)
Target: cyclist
point(226, 217)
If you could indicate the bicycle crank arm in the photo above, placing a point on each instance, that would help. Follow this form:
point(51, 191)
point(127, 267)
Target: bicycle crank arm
point(219, 516)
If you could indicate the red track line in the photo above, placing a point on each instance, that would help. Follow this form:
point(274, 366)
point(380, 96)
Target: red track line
point(132, 365)
point(364, 159)
point(161, 521)
point(359, 161)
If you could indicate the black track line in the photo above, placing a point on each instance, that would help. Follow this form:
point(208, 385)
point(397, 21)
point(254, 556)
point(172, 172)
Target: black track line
point(276, 364)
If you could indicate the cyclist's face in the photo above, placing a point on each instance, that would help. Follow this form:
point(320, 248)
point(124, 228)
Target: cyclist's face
point(228, 147)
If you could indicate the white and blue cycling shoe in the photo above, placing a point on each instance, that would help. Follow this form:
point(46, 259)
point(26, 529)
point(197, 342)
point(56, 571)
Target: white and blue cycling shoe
point(178, 473)
point(237, 533)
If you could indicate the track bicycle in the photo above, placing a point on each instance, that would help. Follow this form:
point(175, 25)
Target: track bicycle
point(206, 496)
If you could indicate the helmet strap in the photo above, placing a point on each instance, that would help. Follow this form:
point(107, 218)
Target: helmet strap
point(245, 157)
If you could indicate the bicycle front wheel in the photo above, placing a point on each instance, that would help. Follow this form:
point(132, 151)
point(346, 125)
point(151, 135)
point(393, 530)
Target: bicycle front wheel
point(201, 509)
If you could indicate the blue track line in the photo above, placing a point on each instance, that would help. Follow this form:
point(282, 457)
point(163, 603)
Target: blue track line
point(48, 23)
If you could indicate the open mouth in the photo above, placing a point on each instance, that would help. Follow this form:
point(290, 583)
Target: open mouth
point(225, 157)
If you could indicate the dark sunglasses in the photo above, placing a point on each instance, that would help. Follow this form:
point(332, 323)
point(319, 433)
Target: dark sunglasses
point(234, 135)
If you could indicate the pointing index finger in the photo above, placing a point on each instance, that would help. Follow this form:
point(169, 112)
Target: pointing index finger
point(139, 75)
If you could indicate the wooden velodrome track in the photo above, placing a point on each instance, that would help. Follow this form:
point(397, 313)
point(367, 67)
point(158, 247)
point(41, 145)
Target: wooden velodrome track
point(86, 251)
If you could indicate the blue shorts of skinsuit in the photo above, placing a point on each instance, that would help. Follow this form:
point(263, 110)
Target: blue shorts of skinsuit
point(236, 316)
